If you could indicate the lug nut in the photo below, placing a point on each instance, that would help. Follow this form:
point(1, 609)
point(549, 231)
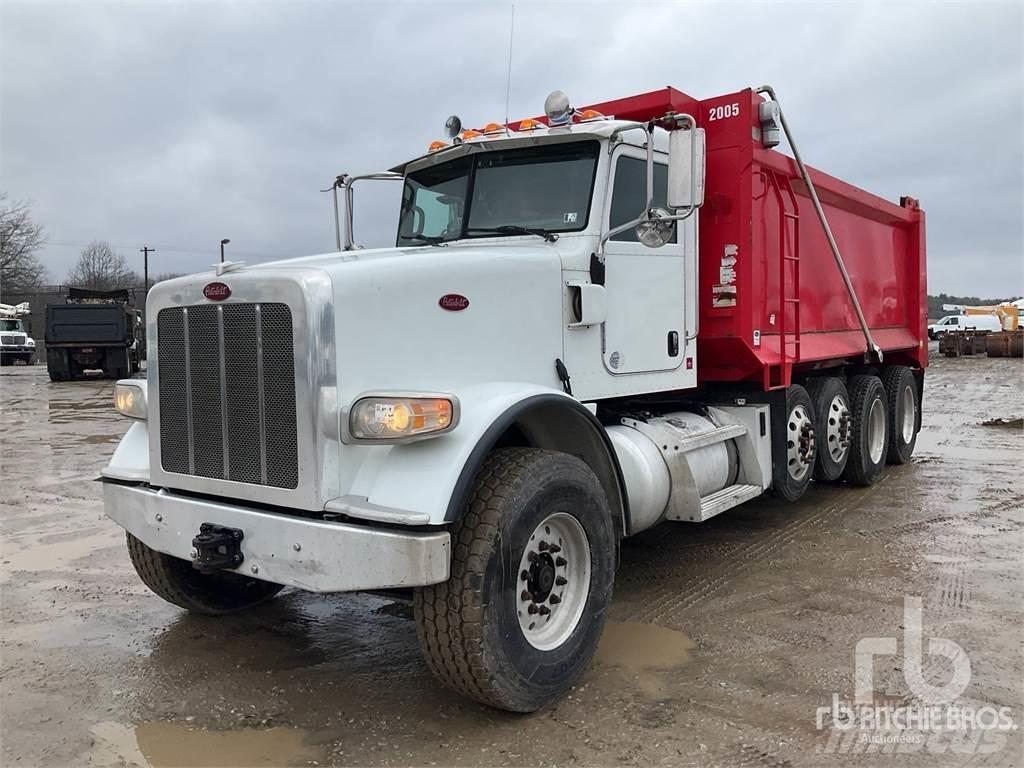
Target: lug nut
point(532, 608)
point(555, 599)
point(560, 581)
point(544, 610)
point(560, 561)
point(531, 556)
point(524, 575)
point(524, 595)
point(554, 548)
point(543, 546)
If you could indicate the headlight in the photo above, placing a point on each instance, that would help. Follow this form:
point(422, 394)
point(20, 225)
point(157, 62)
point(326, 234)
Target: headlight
point(398, 418)
point(130, 398)
point(30, 342)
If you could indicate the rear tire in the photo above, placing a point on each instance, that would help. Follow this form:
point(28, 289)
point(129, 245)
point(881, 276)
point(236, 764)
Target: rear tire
point(832, 417)
point(177, 582)
point(869, 430)
point(793, 467)
point(493, 631)
point(903, 402)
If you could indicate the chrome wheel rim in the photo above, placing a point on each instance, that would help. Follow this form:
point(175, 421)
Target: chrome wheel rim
point(837, 429)
point(799, 443)
point(554, 581)
point(876, 431)
point(909, 413)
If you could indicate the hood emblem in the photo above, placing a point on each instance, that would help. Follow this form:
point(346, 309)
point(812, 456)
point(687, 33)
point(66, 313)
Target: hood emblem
point(453, 302)
point(216, 291)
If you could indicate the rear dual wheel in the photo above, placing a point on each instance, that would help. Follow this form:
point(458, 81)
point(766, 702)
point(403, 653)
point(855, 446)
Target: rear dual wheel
point(832, 416)
point(903, 403)
point(533, 561)
point(869, 434)
point(792, 473)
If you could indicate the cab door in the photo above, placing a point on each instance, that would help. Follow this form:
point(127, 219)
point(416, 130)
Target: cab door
point(645, 325)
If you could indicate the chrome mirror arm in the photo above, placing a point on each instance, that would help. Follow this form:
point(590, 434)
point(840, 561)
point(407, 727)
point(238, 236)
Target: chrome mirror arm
point(345, 183)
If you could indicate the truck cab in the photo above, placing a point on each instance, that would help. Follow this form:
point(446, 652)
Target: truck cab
point(482, 411)
point(15, 343)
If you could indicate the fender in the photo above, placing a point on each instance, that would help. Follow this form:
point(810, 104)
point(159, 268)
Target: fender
point(435, 476)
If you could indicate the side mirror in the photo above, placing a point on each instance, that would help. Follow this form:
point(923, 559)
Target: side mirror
point(686, 168)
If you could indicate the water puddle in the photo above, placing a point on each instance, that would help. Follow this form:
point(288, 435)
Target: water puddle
point(637, 647)
point(644, 652)
point(52, 556)
point(163, 745)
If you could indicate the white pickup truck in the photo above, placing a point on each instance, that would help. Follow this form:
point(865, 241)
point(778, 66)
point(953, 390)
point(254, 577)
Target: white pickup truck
point(481, 412)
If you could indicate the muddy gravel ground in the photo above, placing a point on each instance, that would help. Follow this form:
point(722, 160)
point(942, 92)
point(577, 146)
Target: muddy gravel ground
point(725, 638)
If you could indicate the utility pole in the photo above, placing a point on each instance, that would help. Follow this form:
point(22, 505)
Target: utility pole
point(145, 251)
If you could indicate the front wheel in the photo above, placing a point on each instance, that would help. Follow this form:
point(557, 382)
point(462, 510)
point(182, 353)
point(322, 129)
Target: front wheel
point(177, 582)
point(533, 561)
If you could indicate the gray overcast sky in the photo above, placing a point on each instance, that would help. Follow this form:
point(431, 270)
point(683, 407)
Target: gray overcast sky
point(178, 123)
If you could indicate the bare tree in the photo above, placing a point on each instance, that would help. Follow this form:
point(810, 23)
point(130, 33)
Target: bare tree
point(166, 276)
point(101, 268)
point(20, 238)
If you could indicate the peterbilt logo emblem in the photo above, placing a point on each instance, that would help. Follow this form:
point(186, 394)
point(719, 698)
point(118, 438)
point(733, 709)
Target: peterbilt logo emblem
point(216, 291)
point(453, 302)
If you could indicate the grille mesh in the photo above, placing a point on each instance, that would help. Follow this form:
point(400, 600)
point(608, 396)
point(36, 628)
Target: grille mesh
point(227, 393)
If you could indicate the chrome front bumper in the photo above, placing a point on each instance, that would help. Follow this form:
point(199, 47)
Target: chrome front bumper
point(308, 554)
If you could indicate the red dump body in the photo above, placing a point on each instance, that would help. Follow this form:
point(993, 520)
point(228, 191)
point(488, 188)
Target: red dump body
point(762, 248)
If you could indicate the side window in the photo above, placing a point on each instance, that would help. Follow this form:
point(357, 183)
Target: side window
point(630, 194)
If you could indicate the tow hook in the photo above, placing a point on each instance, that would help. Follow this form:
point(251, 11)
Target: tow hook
point(217, 548)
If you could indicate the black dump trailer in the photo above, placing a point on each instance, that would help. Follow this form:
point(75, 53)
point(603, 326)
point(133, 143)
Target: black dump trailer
point(93, 330)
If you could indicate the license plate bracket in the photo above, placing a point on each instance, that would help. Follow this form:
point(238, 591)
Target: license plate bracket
point(217, 548)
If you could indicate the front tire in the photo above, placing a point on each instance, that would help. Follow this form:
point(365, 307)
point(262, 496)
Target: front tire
point(177, 582)
point(869, 435)
point(533, 562)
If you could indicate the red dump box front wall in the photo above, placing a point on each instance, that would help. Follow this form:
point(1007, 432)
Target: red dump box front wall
point(748, 303)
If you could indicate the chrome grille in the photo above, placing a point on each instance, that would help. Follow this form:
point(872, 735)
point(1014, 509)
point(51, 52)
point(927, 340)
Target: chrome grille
point(227, 393)
point(10, 340)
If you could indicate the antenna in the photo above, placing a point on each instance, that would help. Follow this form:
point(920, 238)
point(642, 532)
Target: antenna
point(508, 79)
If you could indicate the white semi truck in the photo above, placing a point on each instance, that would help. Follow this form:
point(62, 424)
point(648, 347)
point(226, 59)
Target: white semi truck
point(536, 369)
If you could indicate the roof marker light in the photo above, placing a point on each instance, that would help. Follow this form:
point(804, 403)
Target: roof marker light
point(494, 128)
point(469, 133)
point(590, 114)
point(557, 108)
point(529, 124)
point(436, 145)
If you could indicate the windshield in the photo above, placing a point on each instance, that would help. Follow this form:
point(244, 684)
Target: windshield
point(10, 325)
point(502, 192)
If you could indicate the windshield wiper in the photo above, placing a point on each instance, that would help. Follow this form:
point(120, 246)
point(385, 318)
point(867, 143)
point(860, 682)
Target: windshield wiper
point(429, 239)
point(514, 229)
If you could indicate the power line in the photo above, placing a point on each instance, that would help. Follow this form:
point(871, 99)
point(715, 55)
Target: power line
point(169, 249)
